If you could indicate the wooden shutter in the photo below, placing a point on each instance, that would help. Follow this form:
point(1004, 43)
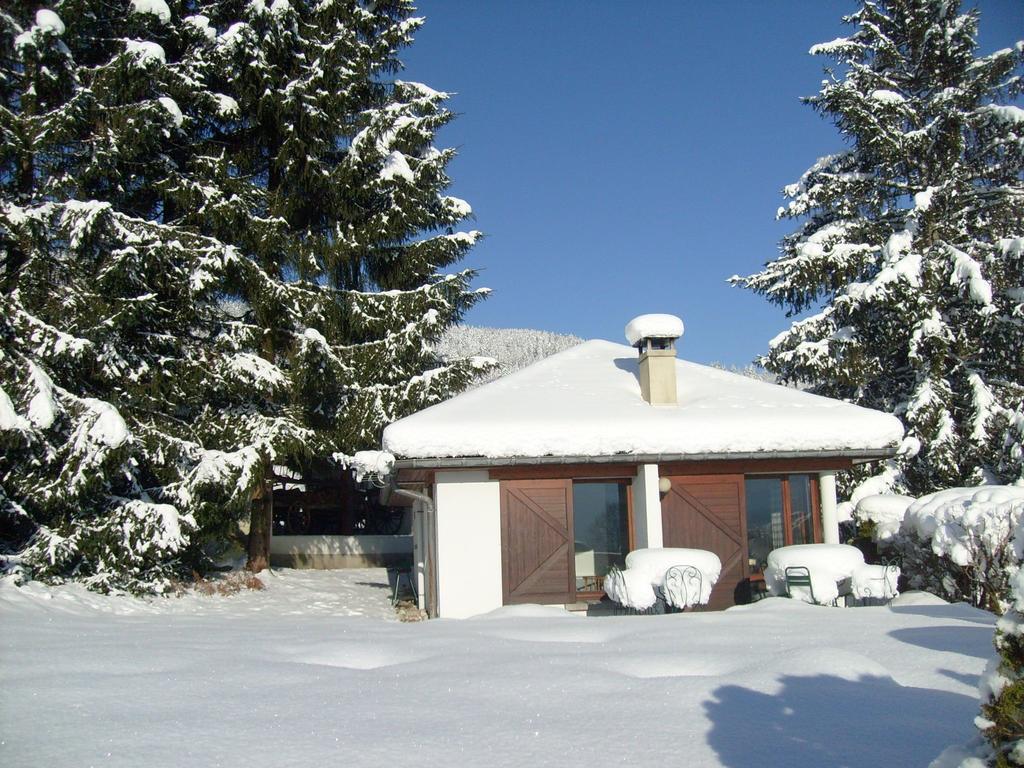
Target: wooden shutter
point(537, 562)
point(707, 512)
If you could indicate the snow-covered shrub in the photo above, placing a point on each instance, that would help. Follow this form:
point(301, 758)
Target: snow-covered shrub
point(958, 543)
point(1001, 742)
point(1002, 687)
point(882, 515)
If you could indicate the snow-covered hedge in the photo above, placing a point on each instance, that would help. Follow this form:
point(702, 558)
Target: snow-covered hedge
point(958, 543)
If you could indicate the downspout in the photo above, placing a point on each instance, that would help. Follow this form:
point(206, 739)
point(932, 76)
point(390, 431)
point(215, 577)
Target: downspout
point(428, 560)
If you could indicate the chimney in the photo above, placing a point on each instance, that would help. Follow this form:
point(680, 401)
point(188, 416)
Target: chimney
point(655, 336)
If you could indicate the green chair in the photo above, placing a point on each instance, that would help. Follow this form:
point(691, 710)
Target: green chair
point(799, 576)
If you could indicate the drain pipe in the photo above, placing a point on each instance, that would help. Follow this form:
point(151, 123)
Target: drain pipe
point(430, 603)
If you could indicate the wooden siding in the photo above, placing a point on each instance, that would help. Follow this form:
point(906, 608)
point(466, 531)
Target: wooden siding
point(562, 471)
point(537, 562)
point(708, 512)
point(754, 466)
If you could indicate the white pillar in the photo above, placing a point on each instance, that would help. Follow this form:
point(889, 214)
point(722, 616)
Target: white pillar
point(829, 516)
point(646, 508)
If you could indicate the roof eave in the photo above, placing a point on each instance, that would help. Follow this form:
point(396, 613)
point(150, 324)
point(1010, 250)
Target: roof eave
point(857, 455)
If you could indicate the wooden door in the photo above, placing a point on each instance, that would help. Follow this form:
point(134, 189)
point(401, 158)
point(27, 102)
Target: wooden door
point(537, 564)
point(706, 512)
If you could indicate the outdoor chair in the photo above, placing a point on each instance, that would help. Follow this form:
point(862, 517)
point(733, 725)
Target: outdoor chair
point(400, 574)
point(684, 586)
point(615, 574)
point(881, 587)
point(799, 576)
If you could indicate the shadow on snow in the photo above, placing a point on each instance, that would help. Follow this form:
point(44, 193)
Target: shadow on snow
point(824, 721)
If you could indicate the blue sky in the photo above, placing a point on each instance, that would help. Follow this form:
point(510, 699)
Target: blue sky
point(626, 157)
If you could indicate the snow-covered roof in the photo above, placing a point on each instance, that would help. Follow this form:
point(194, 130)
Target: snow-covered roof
point(586, 402)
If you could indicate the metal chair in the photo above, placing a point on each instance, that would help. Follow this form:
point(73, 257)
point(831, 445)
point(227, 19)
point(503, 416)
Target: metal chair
point(799, 576)
point(684, 586)
point(403, 573)
point(881, 589)
point(615, 573)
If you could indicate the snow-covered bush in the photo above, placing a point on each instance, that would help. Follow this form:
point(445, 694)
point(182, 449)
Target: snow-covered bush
point(958, 543)
point(1001, 743)
point(1002, 687)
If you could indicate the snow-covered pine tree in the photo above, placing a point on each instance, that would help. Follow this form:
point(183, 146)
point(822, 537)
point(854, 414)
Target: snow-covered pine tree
point(230, 251)
point(110, 335)
point(912, 244)
point(321, 172)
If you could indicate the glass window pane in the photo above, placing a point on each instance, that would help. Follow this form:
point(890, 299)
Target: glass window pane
point(601, 531)
point(800, 509)
point(765, 530)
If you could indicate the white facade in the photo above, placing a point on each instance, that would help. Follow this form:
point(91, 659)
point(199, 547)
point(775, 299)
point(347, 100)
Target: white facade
point(467, 509)
point(461, 537)
point(467, 526)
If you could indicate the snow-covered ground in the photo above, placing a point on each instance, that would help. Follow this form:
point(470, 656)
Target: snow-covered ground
point(315, 671)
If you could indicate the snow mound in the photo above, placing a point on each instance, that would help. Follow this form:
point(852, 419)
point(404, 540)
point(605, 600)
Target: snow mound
point(827, 563)
point(356, 655)
point(886, 511)
point(657, 326)
point(526, 611)
point(917, 597)
point(660, 665)
point(648, 569)
point(962, 521)
point(837, 662)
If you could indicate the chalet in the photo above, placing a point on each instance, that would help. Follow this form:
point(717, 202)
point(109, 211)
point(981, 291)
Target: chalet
point(531, 487)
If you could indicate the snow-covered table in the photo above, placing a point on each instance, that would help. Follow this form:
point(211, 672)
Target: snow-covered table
point(685, 577)
point(829, 566)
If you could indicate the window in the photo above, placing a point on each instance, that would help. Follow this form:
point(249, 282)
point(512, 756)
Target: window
point(601, 525)
point(780, 511)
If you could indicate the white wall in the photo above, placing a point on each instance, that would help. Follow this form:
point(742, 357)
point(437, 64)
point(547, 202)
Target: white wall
point(646, 508)
point(341, 545)
point(468, 514)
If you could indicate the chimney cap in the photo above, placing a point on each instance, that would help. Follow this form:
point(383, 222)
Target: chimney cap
point(653, 327)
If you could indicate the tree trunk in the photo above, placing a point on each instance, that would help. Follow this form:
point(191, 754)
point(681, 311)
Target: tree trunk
point(260, 517)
